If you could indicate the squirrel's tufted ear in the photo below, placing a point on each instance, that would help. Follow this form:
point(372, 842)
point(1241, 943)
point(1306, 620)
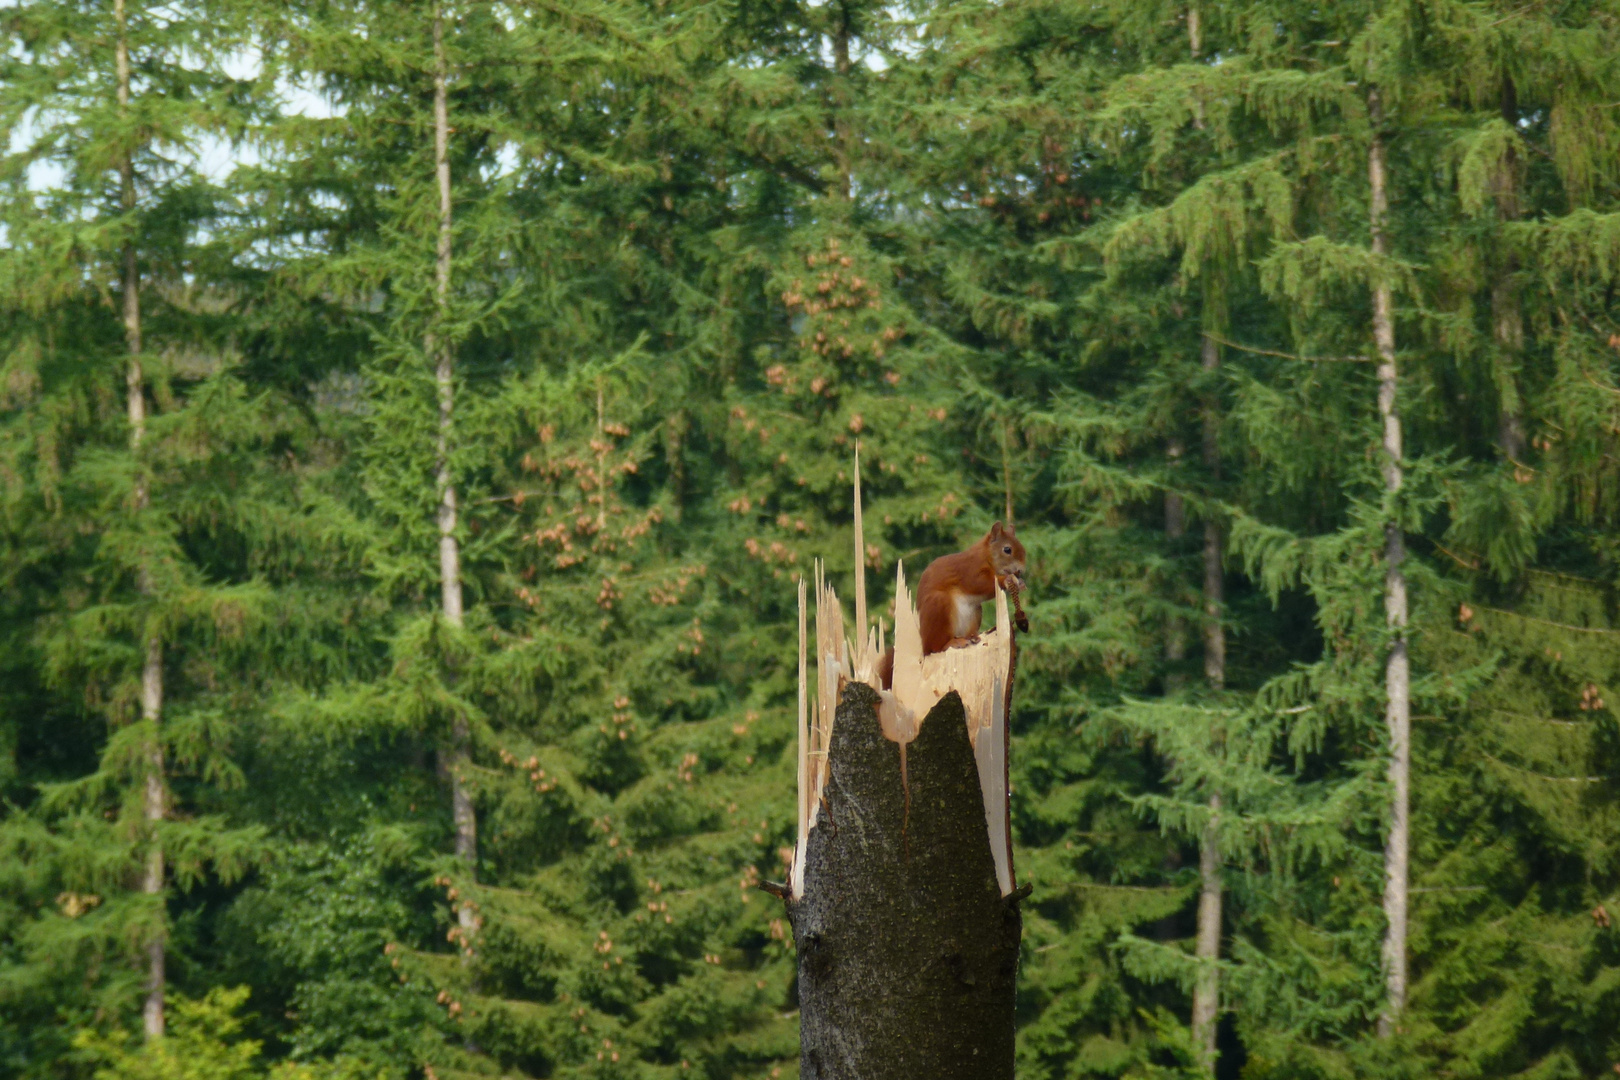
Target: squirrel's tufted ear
point(996, 529)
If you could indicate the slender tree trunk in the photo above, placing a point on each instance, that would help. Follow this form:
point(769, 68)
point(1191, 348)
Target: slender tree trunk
point(1507, 326)
point(1507, 317)
point(1175, 636)
point(1175, 527)
point(1397, 673)
point(438, 347)
point(154, 794)
point(1206, 1004)
point(841, 136)
point(1214, 536)
point(1175, 655)
point(443, 356)
point(155, 801)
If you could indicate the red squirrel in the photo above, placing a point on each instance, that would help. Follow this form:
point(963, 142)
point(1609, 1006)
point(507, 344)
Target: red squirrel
point(952, 591)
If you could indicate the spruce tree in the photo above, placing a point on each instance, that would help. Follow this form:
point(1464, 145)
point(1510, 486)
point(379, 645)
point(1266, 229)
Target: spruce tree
point(1422, 64)
point(104, 199)
point(391, 85)
point(582, 312)
point(1035, 240)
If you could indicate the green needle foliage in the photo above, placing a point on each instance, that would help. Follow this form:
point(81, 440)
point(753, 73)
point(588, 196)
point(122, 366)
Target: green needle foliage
point(1106, 270)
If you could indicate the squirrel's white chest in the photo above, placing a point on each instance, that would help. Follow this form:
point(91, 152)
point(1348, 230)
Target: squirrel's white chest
point(965, 612)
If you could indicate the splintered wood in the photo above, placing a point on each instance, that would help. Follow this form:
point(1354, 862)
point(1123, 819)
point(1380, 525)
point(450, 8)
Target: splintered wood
point(978, 672)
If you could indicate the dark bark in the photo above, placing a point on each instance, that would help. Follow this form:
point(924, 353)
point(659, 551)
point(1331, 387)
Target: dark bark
point(1206, 1005)
point(908, 952)
point(1175, 527)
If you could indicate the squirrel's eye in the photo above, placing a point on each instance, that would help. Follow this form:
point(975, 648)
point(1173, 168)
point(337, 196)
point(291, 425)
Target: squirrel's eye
point(1006, 549)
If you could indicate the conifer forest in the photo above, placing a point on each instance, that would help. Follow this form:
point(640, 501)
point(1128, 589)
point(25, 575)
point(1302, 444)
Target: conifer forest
point(416, 417)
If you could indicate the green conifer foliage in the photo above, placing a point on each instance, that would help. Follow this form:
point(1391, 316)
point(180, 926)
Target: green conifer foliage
point(1298, 270)
point(633, 296)
point(399, 152)
point(140, 482)
point(631, 813)
point(1521, 826)
point(1098, 348)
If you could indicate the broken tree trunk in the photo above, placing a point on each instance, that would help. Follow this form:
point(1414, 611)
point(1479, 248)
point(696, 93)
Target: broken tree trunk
point(908, 952)
point(902, 898)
